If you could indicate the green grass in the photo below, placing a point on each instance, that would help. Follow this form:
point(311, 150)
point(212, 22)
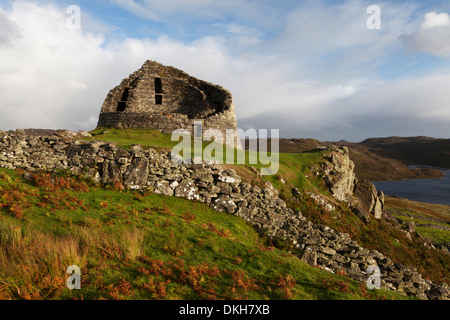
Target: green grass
point(294, 170)
point(143, 246)
point(436, 235)
point(293, 167)
point(134, 246)
point(401, 208)
point(125, 138)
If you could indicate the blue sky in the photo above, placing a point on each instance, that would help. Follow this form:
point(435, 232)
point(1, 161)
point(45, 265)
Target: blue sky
point(309, 68)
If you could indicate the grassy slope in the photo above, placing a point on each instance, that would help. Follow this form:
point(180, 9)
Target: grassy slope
point(135, 246)
point(295, 171)
point(377, 235)
point(127, 137)
point(421, 213)
point(132, 246)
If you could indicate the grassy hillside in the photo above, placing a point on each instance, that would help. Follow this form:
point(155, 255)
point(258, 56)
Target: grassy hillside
point(142, 246)
point(146, 246)
point(427, 217)
point(295, 172)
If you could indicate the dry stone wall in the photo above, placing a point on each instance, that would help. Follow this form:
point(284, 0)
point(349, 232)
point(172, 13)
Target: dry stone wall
point(222, 190)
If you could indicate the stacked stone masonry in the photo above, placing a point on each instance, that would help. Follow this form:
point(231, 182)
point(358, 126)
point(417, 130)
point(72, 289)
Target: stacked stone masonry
point(165, 98)
point(222, 190)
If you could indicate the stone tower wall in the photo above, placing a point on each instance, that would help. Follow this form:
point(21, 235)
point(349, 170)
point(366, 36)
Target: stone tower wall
point(182, 100)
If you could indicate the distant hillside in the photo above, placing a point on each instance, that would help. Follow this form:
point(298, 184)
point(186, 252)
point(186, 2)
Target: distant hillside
point(286, 145)
point(412, 150)
point(373, 164)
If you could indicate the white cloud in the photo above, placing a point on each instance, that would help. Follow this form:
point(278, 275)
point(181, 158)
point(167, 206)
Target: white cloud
point(334, 40)
point(432, 19)
point(312, 78)
point(433, 36)
point(46, 72)
point(89, 123)
point(405, 107)
point(8, 30)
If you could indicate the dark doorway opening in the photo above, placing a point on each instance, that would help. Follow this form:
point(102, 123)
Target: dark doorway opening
point(158, 85)
point(122, 104)
point(158, 99)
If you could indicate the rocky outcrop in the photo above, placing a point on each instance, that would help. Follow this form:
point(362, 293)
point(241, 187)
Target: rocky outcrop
point(223, 190)
point(338, 173)
point(367, 200)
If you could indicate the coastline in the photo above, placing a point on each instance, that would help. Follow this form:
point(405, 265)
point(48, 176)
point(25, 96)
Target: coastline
point(434, 191)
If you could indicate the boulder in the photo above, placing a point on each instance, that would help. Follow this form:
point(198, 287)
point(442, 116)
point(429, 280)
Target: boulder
point(136, 173)
point(187, 189)
point(224, 203)
point(163, 187)
point(369, 199)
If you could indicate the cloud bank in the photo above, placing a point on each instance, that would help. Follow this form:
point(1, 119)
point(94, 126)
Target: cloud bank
point(433, 36)
point(320, 75)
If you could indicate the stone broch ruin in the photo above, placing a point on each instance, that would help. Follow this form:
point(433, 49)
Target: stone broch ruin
point(165, 98)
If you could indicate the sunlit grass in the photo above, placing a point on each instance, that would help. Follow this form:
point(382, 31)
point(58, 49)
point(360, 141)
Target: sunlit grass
point(143, 246)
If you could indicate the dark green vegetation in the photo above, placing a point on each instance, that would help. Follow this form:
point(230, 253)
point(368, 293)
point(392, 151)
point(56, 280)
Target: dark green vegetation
point(131, 245)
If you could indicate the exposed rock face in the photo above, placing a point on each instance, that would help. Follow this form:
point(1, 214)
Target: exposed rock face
point(370, 199)
point(222, 190)
point(166, 99)
point(338, 174)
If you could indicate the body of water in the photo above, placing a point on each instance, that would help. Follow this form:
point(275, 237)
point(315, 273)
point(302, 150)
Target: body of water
point(424, 190)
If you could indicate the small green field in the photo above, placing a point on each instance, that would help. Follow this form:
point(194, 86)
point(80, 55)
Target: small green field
point(125, 138)
point(422, 214)
point(293, 167)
